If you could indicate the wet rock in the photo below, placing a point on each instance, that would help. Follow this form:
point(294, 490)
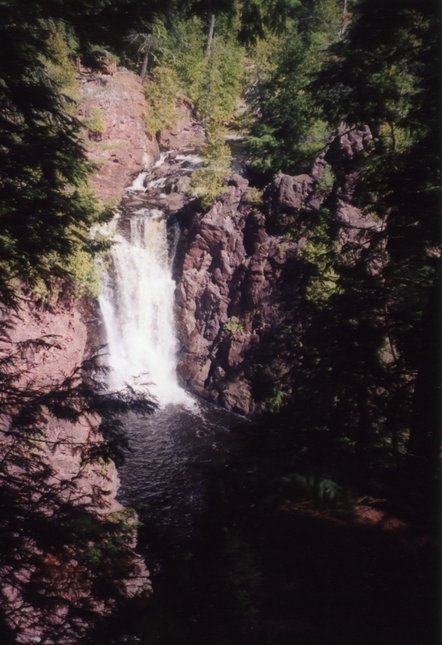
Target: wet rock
point(237, 180)
point(173, 202)
point(236, 396)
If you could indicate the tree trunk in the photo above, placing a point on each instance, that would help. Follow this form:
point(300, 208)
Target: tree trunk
point(145, 64)
point(344, 17)
point(210, 36)
point(424, 445)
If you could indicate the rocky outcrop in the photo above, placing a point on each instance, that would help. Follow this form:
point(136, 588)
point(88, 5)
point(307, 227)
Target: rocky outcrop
point(241, 277)
point(114, 109)
point(237, 289)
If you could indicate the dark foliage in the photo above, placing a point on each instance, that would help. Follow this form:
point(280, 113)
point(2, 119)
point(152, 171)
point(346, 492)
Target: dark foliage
point(384, 74)
point(284, 555)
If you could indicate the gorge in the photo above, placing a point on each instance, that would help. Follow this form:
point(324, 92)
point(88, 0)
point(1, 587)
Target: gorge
point(240, 310)
point(218, 324)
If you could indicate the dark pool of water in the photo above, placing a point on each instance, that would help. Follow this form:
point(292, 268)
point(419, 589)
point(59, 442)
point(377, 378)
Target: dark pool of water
point(171, 458)
point(174, 458)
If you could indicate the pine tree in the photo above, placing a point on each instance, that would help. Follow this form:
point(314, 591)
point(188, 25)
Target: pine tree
point(383, 74)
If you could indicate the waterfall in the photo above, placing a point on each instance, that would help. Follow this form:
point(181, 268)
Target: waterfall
point(137, 305)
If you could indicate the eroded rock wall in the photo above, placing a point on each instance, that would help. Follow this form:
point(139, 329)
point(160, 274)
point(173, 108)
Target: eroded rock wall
point(120, 147)
point(241, 277)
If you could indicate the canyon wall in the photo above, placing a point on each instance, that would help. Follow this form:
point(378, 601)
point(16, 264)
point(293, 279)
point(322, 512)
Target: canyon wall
point(241, 277)
point(53, 468)
point(114, 108)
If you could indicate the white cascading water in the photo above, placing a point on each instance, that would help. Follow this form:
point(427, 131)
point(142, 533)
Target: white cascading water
point(137, 305)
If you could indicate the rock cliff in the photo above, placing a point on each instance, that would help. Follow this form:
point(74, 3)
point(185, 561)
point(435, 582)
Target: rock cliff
point(113, 108)
point(241, 277)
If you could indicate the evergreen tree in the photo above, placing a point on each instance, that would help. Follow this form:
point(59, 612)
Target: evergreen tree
point(384, 75)
point(286, 130)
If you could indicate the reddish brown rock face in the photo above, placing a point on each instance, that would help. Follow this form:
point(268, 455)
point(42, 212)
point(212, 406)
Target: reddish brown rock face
point(123, 148)
point(241, 302)
point(62, 326)
point(231, 293)
point(184, 133)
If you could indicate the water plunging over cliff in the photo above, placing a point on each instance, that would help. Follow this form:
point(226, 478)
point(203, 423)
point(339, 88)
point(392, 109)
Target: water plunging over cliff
point(137, 303)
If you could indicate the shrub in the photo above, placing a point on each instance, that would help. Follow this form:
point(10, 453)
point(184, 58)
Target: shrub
point(95, 123)
point(161, 94)
point(320, 253)
point(234, 326)
point(208, 181)
point(255, 197)
point(274, 403)
point(327, 180)
point(86, 273)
